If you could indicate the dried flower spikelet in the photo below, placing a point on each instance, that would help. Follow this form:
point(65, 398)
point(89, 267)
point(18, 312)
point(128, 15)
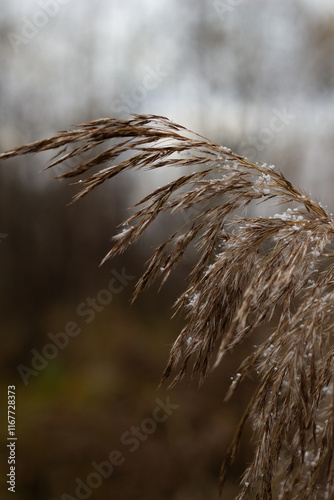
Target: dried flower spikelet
point(276, 272)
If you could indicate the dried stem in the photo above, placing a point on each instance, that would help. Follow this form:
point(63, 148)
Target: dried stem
point(247, 269)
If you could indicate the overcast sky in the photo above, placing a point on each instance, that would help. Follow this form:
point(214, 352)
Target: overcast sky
point(256, 75)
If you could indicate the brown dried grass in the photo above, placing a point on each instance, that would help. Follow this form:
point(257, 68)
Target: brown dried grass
point(247, 269)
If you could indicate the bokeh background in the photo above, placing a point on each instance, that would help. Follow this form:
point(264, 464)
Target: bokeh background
point(256, 76)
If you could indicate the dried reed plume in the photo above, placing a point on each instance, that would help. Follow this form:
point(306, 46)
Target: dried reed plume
point(247, 269)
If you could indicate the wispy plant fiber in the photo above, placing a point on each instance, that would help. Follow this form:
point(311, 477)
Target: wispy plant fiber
point(247, 269)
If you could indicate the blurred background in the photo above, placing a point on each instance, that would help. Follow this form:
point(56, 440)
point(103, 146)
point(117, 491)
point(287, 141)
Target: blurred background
point(256, 76)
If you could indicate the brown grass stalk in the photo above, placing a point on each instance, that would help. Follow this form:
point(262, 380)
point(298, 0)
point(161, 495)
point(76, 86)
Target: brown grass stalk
point(247, 269)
